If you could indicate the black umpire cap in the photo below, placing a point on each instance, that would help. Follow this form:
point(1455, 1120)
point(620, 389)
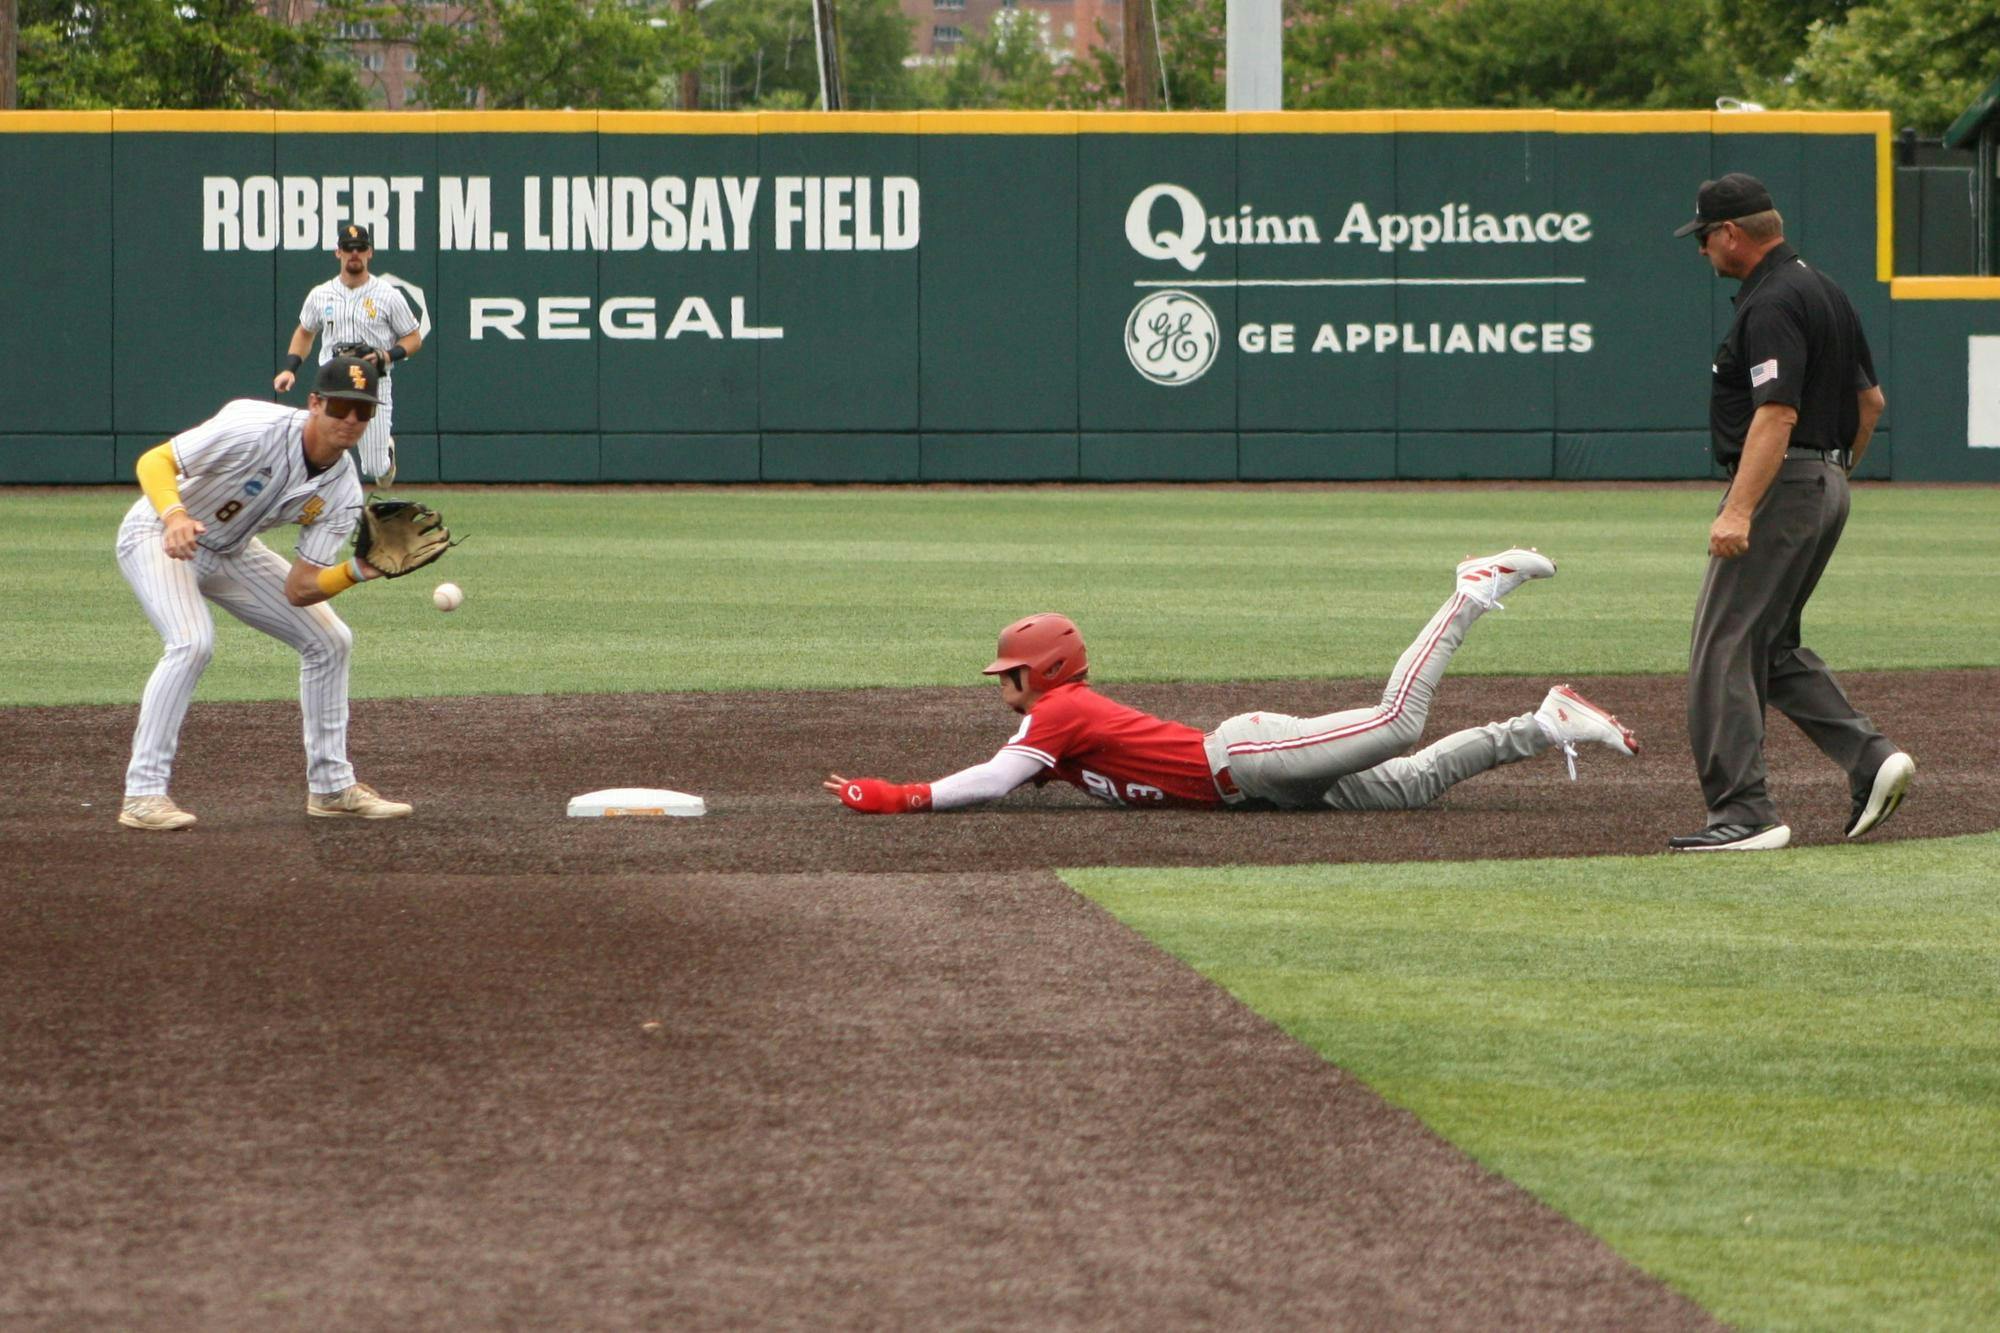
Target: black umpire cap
point(354, 236)
point(348, 377)
point(1734, 196)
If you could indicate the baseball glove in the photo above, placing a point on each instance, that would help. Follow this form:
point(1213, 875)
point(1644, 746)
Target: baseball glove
point(362, 350)
point(399, 537)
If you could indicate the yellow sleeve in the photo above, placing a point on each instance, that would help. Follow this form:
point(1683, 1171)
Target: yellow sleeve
point(159, 477)
point(337, 579)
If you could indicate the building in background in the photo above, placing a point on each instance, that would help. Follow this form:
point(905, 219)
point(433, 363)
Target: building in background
point(387, 70)
point(940, 27)
point(389, 75)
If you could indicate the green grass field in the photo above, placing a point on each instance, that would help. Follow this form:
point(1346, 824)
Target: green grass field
point(1774, 1082)
point(608, 590)
point(1771, 1082)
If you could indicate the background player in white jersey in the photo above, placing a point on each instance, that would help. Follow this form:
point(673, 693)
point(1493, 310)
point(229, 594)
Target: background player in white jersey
point(356, 307)
point(192, 539)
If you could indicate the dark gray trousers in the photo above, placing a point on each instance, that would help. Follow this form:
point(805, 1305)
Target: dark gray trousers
point(1746, 650)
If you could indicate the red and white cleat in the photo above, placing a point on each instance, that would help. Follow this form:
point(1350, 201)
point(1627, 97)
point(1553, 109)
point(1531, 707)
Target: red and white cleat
point(1487, 578)
point(1567, 717)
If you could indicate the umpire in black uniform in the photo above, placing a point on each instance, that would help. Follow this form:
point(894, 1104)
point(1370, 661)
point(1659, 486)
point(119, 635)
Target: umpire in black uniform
point(1793, 403)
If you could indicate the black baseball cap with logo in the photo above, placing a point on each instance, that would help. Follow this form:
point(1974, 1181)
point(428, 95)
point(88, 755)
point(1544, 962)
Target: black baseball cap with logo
point(348, 377)
point(1734, 196)
point(354, 236)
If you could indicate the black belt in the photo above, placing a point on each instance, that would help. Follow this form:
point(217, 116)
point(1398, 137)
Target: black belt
point(1838, 456)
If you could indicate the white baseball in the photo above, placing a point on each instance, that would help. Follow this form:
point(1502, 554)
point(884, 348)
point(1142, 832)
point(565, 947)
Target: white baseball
point(448, 597)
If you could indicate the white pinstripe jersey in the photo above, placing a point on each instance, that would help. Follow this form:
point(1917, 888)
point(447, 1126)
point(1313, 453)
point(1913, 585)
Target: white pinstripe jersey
point(375, 313)
point(248, 461)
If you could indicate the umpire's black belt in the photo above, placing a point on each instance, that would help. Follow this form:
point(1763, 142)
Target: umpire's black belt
point(1836, 456)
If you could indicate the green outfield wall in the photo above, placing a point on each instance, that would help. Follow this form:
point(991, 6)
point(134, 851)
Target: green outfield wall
point(958, 296)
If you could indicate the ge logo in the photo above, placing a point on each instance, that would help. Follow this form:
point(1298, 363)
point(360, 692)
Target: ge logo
point(1171, 338)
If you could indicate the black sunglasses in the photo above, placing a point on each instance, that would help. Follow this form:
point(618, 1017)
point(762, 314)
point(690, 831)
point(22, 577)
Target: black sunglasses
point(1710, 230)
point(342, 408)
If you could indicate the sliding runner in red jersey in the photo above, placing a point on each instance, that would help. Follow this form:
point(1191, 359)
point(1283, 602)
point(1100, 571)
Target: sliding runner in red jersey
point(1352, 760)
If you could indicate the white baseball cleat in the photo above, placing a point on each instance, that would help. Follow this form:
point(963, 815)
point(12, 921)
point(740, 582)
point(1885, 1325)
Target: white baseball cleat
point(1567, 717)
point(158, 814)
point(360, 801)
point(1487, 578)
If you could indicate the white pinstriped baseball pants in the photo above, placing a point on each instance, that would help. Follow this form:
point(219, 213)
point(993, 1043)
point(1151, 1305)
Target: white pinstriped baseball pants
point(250, 586)
point(377, 447)
point(1352, 760)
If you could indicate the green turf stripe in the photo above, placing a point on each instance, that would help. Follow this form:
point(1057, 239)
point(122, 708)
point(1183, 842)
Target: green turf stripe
point(1772, 1080)
point(611, 590)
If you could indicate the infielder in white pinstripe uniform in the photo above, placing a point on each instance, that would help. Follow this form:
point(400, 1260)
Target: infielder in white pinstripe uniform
point(355, 306)
point(192, 539)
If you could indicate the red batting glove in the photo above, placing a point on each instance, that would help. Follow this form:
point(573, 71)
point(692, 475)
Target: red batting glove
point(872, 796)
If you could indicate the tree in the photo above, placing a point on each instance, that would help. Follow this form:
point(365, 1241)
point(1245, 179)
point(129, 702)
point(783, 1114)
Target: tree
point(1009, 66)
point(178, 54)
point(764, 50)
point(1762, 39)
point(549, 54)
point(1923, 60)
point(1193, 36)
point(1631, 54)
point(1194, 49)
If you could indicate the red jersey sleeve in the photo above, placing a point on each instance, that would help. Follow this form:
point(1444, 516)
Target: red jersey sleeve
point(1050, 732)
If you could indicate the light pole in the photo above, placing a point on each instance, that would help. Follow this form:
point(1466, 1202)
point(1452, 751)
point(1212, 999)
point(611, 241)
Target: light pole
point(1256, 55)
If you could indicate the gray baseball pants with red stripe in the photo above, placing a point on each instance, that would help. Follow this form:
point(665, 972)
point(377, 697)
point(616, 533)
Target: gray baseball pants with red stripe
point(1354, 760)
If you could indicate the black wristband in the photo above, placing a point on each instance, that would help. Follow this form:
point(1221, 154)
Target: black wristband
point(293, 362)
point(397, 351)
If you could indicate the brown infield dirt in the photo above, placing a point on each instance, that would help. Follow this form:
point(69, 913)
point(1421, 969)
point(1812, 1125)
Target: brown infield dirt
point(280, 1072)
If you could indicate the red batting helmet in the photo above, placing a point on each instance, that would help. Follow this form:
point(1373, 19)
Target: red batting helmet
point(1049, 645)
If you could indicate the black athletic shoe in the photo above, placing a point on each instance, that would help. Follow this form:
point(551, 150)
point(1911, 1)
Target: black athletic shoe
point(1735, 838)
point(1884, 794)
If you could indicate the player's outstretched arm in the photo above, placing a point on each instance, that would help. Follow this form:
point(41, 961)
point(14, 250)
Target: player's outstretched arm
point(873, 796)
point(307, 584)
point(972, 786)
